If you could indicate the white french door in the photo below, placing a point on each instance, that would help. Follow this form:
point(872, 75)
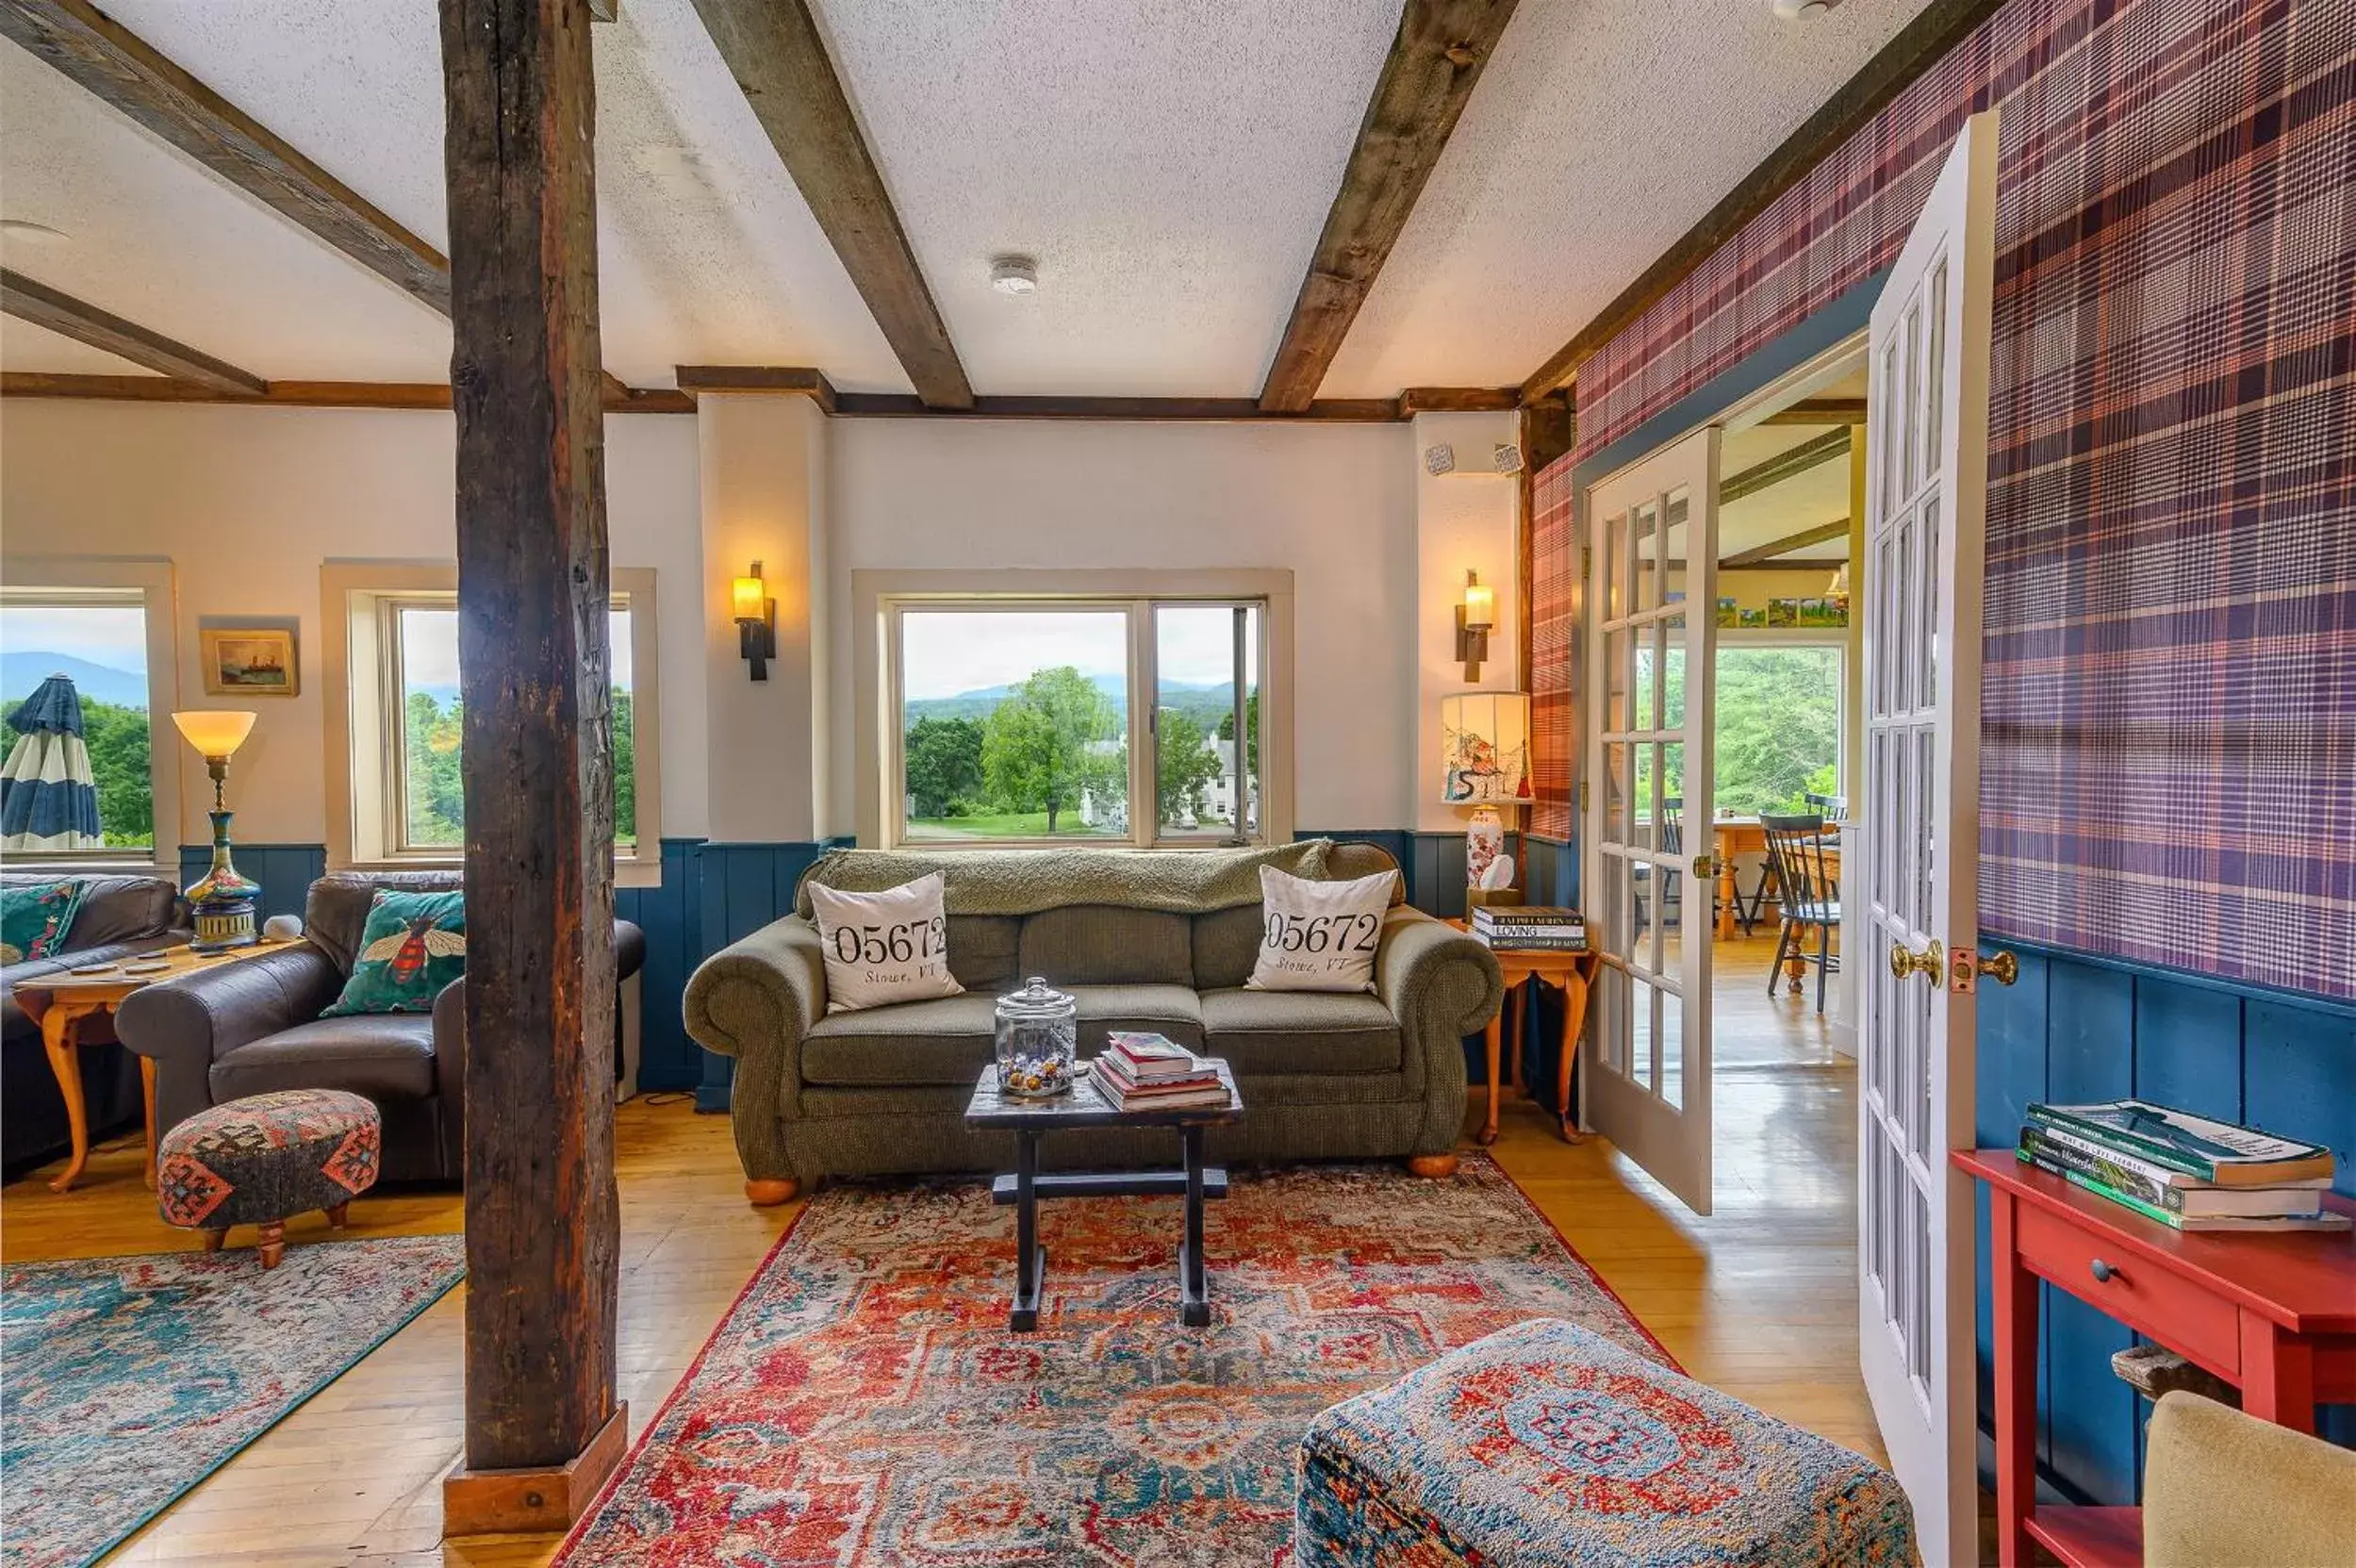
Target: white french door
point(1650, 632)
point(1926, 488)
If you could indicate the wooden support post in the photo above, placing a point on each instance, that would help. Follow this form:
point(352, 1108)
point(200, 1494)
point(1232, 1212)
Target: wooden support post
point(543, 1429)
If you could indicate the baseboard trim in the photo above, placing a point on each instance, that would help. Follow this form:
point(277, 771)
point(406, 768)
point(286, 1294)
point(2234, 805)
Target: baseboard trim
point(540, 1499)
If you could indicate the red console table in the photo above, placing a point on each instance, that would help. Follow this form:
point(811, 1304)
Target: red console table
point(2275, 1315)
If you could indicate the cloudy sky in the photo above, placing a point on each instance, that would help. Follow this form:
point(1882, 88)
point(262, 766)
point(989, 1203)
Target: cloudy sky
point(949, 652)
point(116, 637)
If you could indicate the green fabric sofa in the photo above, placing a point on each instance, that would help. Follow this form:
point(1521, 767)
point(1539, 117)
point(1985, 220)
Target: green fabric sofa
point(1156, 939)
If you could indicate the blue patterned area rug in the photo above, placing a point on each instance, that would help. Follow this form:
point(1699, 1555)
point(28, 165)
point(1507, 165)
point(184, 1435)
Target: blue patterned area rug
point(127, 1380)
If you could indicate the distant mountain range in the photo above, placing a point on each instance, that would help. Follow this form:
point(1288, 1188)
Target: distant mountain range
point(24, 669)
point(1205, 704)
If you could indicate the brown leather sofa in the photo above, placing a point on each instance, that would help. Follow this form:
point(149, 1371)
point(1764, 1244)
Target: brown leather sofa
point(252, 1027)
point(121, 917)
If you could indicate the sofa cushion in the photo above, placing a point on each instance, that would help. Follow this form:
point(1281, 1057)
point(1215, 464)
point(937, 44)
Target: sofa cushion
point(1226, 945)
point(942, 1040)
point(37, 921)
point(382, 1055)
point(1300, 1031)
point(414, 944)
point(1104, 945)
point(982, 951)
point(336, 911)
point(948, 1041)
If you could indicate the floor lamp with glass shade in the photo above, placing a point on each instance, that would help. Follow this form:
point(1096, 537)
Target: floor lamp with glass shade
point(223, 900)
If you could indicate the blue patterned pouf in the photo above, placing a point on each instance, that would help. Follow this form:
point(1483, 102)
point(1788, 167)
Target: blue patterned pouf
point(1547, 1443)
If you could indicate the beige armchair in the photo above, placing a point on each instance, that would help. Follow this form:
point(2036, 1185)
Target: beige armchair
point(2222, 1488)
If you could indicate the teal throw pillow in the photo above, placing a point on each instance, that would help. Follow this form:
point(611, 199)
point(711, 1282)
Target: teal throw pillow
point(34, 919)
point(412, 945)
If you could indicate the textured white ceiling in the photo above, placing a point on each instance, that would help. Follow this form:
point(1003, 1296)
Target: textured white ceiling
point(1601, 132)
point(706, 251)
point(1169, 162)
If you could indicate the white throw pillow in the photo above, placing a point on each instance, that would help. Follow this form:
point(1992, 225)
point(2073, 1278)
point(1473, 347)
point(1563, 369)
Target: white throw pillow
point(1318, 935)
point(882, 948)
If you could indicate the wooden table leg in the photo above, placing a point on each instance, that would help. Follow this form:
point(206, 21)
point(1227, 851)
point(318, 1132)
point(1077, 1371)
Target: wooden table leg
point(1574, 987)
point(147, 1093)
point(2014, 1292)
point(2278, 1374)
point(1494, 1039)
point(1727, 894)
point(65, 1063)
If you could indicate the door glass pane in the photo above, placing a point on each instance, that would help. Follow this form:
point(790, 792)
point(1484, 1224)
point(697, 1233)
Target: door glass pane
point(1615, 788)
point(1930, 599)
point(1612, 997)
point(1199, 670)
point(1012, 723)
point(1902, 587)
point(1912, 441)
point(1646, 655)
point(1889, 426)
point(1935, 383)
point(1643, 1016)
point(1671, 796)
point(1614, 565)
point(1642, 793)
point(1644, 550)
point(1677, 908)
point(1618, 715)
point(1926, 804)
point(1673, 633)
point(1672, 1051)
point(1674, 552)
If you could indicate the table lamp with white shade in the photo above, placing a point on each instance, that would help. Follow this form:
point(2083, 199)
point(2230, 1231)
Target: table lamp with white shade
point(1485, 742)
point(223, 900)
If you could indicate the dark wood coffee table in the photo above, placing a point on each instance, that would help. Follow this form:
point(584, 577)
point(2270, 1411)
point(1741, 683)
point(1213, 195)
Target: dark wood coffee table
point(1030, 1119)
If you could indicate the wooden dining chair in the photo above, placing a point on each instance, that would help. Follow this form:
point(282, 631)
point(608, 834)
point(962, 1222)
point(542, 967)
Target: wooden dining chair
point(1810, 896)
point(1672, 841)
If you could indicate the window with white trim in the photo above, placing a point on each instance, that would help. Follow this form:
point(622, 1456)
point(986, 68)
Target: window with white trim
point(1104, 718)
point(403, 717)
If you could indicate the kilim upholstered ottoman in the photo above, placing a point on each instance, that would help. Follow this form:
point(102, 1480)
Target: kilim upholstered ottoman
point(265, 1158)
point(1545, 1444)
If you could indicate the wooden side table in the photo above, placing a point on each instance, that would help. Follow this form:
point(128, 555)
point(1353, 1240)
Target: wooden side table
point(59, 1003)
point(2275, 1315)
point(1573, 974)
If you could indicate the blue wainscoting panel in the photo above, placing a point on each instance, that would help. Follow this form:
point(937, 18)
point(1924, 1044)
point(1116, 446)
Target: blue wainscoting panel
point(1550, 871)
point(671, 915)
point(286, 871)
point(2079, 1027)
point(742, 887)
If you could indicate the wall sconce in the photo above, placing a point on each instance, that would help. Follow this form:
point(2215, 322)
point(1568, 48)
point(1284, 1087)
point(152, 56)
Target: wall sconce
point(756, 621)
point(1474, 617)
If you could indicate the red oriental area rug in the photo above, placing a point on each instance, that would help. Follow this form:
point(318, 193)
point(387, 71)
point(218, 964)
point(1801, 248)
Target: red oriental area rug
point(865, 1403)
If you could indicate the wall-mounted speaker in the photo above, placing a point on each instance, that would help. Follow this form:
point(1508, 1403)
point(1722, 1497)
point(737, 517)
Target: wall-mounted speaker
point(1440, 459)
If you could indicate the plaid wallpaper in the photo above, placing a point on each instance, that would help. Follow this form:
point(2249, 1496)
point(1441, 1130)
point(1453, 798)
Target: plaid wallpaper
point(2168, 746)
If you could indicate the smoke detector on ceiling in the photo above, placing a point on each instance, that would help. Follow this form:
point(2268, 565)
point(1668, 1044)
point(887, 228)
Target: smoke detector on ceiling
point(1802, 10)
point(1014, 274)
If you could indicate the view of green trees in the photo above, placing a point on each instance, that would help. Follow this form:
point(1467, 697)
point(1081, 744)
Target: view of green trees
point(1778, 726)
point(434, 798)
point(1024, 768)
point(117, 739)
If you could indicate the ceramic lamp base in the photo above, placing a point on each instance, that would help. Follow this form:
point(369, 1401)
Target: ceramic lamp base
point(1484, 841)
point(223, 924)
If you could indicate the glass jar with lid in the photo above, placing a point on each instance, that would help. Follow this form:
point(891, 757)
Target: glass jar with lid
point(1038, 1041)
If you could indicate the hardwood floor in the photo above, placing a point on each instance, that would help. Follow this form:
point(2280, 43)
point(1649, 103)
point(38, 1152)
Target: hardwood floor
point(1759, 1298)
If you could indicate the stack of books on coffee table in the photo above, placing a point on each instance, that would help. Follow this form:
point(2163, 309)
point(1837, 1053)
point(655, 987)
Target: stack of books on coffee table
point(1141, 1071)
point(1530, 929)
point(2187, 1172)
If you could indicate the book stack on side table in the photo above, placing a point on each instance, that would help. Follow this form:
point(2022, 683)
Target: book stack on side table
point(1531, 929)
point(1142, 1071)
point(2187, 1172)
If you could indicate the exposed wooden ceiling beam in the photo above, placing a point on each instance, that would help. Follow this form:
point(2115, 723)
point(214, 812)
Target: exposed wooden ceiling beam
point(1921, 43)
point(1436, 57)
point(1784, 465)
point(122, 70)
point(800, 381)
point(773, 49)
point(1819, 411)
point(43, 305)
point(288, 394)
point(785, 380)
point(1457, 400)
point(1764, 555)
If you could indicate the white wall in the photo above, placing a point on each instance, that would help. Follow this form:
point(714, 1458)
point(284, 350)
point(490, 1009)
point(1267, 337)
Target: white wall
point(1334, 504)
point(247, 502)
point(1466, 520)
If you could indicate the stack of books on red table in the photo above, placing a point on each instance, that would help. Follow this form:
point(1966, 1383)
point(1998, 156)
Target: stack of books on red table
point(1530, 929)
point(1151, 1072)
point(2185, 1171)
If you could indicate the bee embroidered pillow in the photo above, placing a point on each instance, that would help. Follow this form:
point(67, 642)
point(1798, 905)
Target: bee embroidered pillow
point(885, 947)
point(414, 944)
point(1318, 935)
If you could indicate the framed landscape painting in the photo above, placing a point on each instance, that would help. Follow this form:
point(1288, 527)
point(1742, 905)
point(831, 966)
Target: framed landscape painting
point(250, 661)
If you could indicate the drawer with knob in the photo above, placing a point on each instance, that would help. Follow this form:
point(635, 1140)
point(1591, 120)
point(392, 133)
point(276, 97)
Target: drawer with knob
point(2138, 1292)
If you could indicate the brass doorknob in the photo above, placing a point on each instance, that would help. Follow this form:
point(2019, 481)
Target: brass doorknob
point(2001, 967)
point(1930, 962)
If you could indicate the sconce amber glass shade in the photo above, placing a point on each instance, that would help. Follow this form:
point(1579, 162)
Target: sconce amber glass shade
point(215, 731)
point(1480, 606)
point(748, 596)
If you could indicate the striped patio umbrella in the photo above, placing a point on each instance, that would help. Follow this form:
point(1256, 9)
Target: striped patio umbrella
point(47, 799)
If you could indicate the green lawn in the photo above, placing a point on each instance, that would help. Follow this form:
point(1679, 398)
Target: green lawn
point(1017, 824)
